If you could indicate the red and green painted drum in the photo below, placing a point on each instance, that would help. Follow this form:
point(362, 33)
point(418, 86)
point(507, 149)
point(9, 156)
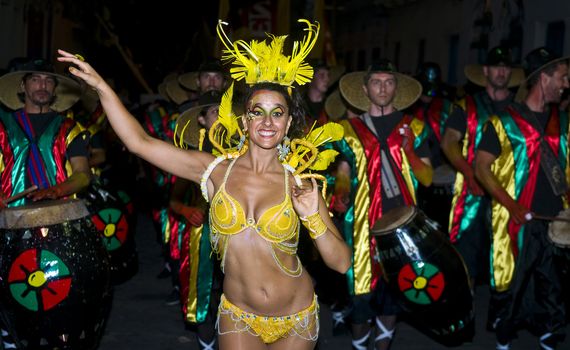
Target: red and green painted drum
point(112, 216)
point(55, 276)
point(424, 271)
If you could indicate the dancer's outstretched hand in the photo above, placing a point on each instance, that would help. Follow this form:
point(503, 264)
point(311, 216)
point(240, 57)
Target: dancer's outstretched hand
point(83, 70)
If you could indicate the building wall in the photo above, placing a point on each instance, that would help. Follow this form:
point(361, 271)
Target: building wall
point(364, 27)
point(12, 31)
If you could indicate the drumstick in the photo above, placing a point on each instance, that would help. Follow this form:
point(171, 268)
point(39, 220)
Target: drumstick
point(21, 194)
point(549, 218)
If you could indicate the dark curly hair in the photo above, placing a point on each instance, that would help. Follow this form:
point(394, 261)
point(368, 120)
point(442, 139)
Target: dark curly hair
point(294, 102)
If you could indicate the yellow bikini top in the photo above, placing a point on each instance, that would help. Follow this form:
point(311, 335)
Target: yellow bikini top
point(279, 225)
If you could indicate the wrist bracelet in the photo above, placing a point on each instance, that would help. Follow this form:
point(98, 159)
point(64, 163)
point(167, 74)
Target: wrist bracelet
point(315, 224)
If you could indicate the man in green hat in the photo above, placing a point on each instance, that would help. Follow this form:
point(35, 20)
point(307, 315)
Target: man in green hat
point(469, 228)
point(42, 147)
point(380, 136)
point(522, 161)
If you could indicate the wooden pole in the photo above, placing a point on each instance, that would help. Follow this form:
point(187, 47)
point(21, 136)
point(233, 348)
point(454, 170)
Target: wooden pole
point(130, 63)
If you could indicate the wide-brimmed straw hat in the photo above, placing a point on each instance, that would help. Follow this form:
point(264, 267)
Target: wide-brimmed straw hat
point(176, 93)
point(90, 99)
point(497, 56)
point(336, 106)
point(408, 89)
point(189, 80)
point(67, 91)
point(535, 62)
point(162, 86)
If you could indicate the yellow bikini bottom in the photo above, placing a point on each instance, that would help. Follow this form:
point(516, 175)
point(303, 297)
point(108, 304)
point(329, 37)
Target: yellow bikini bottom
point(304, 324)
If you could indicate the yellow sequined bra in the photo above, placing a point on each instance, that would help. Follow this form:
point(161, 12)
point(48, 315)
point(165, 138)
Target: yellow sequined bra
point(278, 225)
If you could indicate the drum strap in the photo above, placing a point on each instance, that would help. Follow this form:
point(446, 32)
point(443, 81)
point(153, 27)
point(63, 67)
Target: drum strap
point(548, 161)
point(384, 333)
point(389, 181)
point(36, 168)
point(362, 343)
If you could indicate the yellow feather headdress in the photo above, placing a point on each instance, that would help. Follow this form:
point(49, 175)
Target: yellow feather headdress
point(259, 62)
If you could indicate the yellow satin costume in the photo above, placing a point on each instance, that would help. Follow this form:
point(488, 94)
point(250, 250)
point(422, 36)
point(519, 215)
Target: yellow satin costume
point(279, 226)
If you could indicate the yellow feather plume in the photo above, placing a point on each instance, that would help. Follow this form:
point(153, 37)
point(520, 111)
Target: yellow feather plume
point(226, 115)
point(259, 62)
point(305, 154)
point(225, 133)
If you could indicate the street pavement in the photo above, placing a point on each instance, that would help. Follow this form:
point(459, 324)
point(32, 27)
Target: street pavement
point(139, 318)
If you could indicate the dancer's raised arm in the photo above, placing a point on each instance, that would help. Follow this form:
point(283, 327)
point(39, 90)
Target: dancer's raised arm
point(182, 163)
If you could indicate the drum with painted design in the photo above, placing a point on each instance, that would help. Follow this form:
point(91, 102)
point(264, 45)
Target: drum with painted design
point(424, 271)
point(54, 277)
point(113, 218)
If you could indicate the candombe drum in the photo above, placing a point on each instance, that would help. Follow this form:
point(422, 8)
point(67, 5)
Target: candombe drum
point(424, 272)
point(115, 224)
point(54, 277)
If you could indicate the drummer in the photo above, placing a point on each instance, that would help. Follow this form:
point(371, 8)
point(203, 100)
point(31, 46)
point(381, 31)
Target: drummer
point(374, 143)
point(522, 163)
point(40, 145)
point(469, 227)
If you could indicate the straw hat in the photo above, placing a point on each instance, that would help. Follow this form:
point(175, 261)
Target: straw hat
point(533, 63)
point(90, 99)
point(351, 85)
point(67, 91)
point(334, 106)
point(176, 93)
point(162, 86)
point(187, 126)
point(497, 56)
point(189, 80)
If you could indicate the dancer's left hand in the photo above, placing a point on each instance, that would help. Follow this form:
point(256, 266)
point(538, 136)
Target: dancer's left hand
point(305, 198)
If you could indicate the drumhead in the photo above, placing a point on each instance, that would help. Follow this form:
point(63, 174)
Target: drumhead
point(393, 219)
point(559, 231)
point(42, 213)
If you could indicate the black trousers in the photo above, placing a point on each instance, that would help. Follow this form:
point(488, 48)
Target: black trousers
point(534, 298)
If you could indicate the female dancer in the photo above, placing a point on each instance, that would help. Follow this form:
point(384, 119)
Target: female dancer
point(268, 300)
